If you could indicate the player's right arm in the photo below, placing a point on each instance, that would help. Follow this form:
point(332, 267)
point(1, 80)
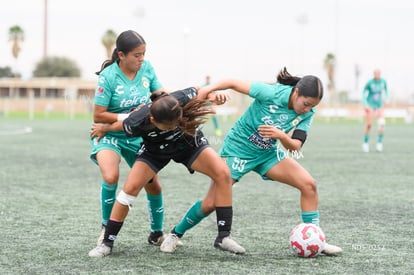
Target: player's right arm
point(100, 129)
point(240, 86)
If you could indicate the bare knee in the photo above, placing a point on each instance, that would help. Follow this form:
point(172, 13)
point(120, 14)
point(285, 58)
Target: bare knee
point(153, 187)
point(111, 178)
point(222, 176)
point(310, 188)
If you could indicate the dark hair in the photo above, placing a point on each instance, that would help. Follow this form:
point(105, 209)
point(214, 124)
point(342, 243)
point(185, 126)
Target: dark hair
point(125, 42)
point(166, 108)
point(308, 85)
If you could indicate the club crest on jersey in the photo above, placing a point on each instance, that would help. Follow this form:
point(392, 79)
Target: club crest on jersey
point(145, 82)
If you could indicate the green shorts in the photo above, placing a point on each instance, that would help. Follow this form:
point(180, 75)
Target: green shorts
point(124, 147)
point(260, 164)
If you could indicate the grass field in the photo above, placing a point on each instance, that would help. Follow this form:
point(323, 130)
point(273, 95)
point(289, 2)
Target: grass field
point(50, 211)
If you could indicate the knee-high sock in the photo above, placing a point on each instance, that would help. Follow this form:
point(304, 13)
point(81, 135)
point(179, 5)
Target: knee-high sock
point(155, 211)
point(310, 217)
point(380, 137)
point(193, 216)
point(224, 220)
point(111, 231)
point(108, 196)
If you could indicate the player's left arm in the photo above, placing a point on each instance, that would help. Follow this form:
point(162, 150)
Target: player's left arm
point(293, 143)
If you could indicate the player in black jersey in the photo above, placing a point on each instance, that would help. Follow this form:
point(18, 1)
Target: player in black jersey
point(169, 128)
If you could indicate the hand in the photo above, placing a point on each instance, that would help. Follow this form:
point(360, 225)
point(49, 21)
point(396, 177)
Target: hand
point(269, 131)
point(98, 130)
point(218, 98)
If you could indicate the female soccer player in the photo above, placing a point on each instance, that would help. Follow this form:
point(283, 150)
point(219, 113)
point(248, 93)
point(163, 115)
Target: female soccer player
point(125, 82)
point(373, 105)
point(280, 115)
point(168, 127)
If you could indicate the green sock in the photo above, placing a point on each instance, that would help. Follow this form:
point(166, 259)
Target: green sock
point(310, 217)
point(193, 216)
point(108, 195)
point(366, 138)
point(380, 137)
point(155, 211)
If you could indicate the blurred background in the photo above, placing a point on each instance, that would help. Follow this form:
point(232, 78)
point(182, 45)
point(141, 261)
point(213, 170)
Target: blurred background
point(341, 41)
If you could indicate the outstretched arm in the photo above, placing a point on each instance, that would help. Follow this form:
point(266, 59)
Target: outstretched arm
point(237, 85)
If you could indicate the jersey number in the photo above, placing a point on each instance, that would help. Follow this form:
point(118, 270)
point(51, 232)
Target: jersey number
point(238, 164)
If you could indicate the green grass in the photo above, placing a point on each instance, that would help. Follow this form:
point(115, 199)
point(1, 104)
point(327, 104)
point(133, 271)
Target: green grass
point(50, 216)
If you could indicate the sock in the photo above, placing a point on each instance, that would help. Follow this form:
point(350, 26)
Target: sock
point(380, 137)
point(108, 195)
point(366, 138)
point(310, 217)
point(193, 216)
point(111, 231)
point(155, 211)
point(215, 122)
point(224, 220)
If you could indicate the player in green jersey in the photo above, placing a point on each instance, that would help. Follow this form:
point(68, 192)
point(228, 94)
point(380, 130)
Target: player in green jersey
point(280, 116)
point(125, 82)
point(373, 100)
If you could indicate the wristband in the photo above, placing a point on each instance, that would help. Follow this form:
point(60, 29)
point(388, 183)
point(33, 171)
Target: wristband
point(121, 117)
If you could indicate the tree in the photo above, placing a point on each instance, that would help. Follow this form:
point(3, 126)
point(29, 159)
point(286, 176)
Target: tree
point(16, 36)
point(56, 67)
point(109, 40)
point(6, 72)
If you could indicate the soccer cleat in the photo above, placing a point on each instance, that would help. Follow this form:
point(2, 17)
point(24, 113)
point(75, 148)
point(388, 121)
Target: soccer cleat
point(170, 243)
point(365, 147)
point(228, 244)
point(379, 147)
point(101, 236)
point(331, 250)
point(100, 251)
point(156, 238)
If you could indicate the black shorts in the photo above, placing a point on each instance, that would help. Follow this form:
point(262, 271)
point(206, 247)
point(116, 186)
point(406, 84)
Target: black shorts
point(185, 151)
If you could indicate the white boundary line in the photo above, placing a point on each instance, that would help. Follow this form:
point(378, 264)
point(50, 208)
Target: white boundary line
point(19, 131)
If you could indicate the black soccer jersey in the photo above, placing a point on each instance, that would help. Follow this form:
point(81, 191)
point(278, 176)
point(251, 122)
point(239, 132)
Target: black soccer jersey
point(138, 125)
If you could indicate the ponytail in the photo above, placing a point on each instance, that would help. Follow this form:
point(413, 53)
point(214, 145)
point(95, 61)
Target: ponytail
point(108, 62)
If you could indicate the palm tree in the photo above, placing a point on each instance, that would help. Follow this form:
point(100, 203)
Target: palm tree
point(109, 40)
point(16, 36)
point(329, 65)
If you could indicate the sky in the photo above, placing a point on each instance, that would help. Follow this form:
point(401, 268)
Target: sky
point(250, 40)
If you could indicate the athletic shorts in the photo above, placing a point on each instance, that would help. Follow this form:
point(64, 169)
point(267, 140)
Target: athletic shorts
point(375, 104)
point(185, 151)
point(125, 147)
point(260, 164)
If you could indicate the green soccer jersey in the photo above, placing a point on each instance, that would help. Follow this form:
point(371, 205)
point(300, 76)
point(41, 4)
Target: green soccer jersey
point(122, 95)
point(270, 107)
point(373, 93)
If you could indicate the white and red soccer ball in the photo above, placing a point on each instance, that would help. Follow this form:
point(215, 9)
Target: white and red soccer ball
point(307, 240)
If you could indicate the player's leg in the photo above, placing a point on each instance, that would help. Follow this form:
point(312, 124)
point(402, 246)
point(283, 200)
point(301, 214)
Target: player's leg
point(290, 172)
point(108, 161)
point(155, 204)
point(209, 163)
point(138, 176)
point(194, 215)
point(217, 129)
point(369, 116)
point(380, 129)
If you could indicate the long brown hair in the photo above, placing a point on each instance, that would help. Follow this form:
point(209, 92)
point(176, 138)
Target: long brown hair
point(166, 108)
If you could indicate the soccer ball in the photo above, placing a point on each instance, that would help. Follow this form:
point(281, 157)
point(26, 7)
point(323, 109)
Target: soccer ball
point(307, 240)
